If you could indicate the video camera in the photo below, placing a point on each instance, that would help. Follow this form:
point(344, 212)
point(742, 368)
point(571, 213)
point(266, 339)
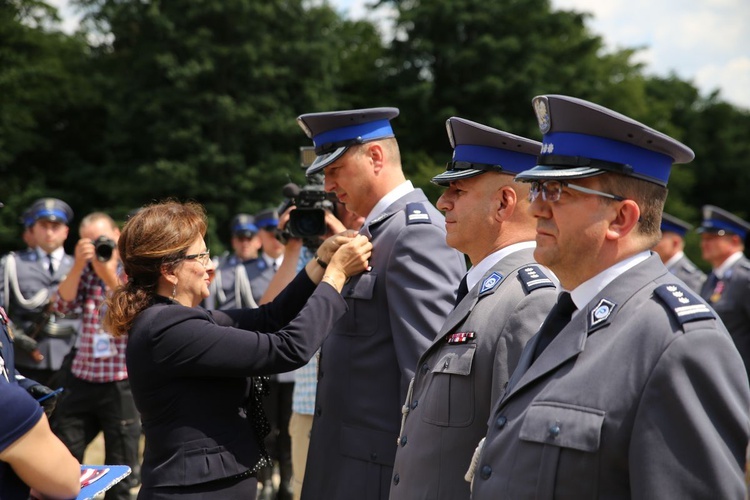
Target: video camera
point(307, 220)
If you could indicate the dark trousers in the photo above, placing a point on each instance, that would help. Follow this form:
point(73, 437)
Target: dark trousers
point(89, 408)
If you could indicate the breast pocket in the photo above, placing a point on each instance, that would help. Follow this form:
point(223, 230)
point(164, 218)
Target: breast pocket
point(566, 440)
point(362, 318)
point(449, 400)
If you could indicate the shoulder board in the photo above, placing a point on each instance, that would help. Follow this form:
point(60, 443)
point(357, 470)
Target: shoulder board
point(745, 265)
point(416, 214)
point(683, 303)
point(532, 277)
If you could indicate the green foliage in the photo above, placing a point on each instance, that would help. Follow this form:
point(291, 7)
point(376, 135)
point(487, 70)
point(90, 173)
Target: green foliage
point(198, 99)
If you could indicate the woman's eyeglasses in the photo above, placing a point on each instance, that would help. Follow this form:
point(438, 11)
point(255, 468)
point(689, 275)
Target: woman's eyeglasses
point(203, 258)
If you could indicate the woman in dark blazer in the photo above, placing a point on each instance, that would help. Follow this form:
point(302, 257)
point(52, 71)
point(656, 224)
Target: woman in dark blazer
point(190, 369)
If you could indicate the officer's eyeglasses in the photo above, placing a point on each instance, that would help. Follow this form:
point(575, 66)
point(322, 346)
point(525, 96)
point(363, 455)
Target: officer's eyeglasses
point(551, 191)
point(203, 258)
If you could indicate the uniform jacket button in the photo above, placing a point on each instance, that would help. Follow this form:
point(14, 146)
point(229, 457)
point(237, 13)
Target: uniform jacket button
point(554, 431)
point(318, 411)
point(425, 368)
point(403, 441)
point(486, 472)
point(414, 404)
point(374, 456)
point(501, 421)
point(396, 479)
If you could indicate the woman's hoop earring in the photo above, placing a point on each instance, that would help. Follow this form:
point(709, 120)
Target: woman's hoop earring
point(174, 291)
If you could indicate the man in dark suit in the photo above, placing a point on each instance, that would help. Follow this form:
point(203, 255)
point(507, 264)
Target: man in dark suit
point(671, 251)
point(632, 388)
point(30, 277)
point(508, 296)
point(394, 310)
point(727, 288)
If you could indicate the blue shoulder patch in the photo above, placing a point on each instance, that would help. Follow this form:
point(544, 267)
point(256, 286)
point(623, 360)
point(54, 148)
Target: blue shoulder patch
point(532, 277)
point(416, 214)
point(490, 282)
point(684, 304)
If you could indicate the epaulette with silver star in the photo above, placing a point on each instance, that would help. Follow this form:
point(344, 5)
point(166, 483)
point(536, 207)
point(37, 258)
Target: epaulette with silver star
point(416, 214)
point(683, 304)
point(532, 277)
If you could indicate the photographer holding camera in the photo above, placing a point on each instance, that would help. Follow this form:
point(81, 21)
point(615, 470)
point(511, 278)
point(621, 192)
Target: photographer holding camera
point(97, 391)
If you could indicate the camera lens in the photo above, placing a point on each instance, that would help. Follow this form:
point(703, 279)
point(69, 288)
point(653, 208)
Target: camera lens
point(103, 248)
point(307, 222)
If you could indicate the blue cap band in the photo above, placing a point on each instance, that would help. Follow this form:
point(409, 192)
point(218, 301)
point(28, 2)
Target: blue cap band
point(51, 213)
point(367, 131)
point(511, 161)
point(718, 225)
point(674, 228)
point(645, 163)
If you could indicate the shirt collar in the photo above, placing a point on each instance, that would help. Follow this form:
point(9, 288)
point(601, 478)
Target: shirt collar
point(57, 254)
point(724, 267)
point(477, 272)
point(270, 260)
point(586, 291)
point(387, 200)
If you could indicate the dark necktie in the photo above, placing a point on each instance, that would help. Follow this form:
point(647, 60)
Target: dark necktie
point(50, 267)
point(463, 289)
point(710, 285)
point(558, 317)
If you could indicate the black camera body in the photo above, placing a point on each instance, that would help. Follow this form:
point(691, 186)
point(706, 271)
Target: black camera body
point(103, 248)
point(307, 220)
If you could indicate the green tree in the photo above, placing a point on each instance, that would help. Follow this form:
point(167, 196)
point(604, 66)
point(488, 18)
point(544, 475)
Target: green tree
point(204, 95)
point(47, 124)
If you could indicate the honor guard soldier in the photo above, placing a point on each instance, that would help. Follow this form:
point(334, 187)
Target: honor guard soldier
point(671, 251)
point(30, 278)
point(231, 288)
point(395, 310)
point(726, 289)
point(632, 388)
point(501, 302)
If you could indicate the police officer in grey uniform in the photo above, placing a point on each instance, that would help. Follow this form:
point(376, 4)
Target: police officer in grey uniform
point(231, 287)
point(727, 288)
point(394, 310)
point(30, 278)
point(476, 350)
point(640, 392)
point(671, 251)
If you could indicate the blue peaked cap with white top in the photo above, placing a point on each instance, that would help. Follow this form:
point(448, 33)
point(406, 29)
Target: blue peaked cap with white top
point(583, 139)
point(478, 148)
point(334, 132)
point(51, 209)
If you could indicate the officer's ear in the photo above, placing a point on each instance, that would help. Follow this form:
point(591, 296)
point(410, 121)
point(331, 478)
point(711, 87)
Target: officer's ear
point(505, 202)
point(624, 218)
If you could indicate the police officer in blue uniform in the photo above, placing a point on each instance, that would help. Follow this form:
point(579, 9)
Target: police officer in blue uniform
point(671, 251)
point(231, 287)
point(632, 388)
point(30, 278)
point(727, 288)
point(506, 297)
point(394, 310)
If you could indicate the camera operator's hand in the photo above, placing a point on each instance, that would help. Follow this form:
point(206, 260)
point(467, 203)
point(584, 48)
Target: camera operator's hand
point(334, 225)
point(39, 392)
point(350, 259)
point(84, 253)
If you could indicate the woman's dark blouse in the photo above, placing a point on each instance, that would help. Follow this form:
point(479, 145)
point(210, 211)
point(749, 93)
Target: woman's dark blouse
point(188, 370)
